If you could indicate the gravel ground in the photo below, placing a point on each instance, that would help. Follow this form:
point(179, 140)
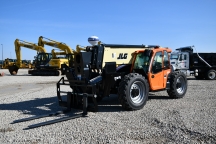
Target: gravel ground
point(191, 119)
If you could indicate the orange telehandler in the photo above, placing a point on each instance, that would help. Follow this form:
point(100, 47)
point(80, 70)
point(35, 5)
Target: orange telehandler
point(141, 69)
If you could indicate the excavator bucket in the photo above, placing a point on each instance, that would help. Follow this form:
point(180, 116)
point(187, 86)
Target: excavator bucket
point(13, 69)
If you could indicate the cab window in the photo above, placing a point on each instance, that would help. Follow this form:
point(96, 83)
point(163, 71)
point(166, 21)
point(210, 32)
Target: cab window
point(157, 63)
point(183, 57)
point(142, 62)
point(166, 60)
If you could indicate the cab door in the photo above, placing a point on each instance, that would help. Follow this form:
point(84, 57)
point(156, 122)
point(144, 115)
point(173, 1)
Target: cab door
point(159, 70)
point(156, 74)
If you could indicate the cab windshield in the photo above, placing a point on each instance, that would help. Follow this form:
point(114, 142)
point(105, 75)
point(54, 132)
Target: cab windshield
point(174, 56)
point(43, 58)
point(142, 62)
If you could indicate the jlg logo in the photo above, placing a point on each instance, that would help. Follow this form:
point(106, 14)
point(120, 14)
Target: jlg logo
point(122, 56)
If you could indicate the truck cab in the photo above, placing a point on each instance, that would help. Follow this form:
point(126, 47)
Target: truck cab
point(180, 61)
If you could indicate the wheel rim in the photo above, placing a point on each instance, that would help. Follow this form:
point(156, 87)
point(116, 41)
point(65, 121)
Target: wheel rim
point(211, 75)
point(137, 92)
point(180, 85)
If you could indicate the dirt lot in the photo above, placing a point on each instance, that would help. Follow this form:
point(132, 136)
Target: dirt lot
point(191, 119)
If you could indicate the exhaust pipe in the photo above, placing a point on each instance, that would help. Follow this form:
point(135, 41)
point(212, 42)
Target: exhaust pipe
point(13, 69)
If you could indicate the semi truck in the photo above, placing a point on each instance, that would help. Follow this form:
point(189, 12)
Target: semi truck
point(200, 65)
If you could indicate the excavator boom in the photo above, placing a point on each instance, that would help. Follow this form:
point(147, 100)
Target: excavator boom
point(52, 43)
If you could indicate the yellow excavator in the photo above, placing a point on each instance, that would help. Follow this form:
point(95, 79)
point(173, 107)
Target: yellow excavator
point(68, 52)
point(14, 67)
point(60, 62)
point(26, 64)
point(7, 62)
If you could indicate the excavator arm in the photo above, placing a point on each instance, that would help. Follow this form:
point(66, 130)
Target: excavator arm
point(18, 44)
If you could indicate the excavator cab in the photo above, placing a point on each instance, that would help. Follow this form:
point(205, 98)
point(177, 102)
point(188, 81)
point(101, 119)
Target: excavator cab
point(42, 59)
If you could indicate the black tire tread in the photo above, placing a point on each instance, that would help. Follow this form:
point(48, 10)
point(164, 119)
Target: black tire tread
point(123, 88)
point(172, 91)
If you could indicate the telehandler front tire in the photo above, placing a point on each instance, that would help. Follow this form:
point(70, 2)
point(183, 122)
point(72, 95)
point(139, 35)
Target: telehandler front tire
point(178, 85)
point(133, 91)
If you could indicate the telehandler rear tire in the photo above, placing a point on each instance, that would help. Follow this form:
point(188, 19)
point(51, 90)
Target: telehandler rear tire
point(133, 91)
point(178, 85)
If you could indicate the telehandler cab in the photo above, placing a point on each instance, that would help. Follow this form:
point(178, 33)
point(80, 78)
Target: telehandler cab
point(130, 71)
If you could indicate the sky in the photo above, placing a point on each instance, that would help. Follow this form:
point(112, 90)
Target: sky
point(168, 23)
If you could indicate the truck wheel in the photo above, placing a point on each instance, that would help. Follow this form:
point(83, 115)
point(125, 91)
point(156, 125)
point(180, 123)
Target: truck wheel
point(133, 91)
point(211, 75)
point(178, 85)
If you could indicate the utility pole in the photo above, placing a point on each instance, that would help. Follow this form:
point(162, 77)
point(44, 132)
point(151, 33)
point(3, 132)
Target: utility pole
point(2, 55)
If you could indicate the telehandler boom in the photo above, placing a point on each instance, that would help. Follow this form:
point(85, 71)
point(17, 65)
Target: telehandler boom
point(130, 71)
